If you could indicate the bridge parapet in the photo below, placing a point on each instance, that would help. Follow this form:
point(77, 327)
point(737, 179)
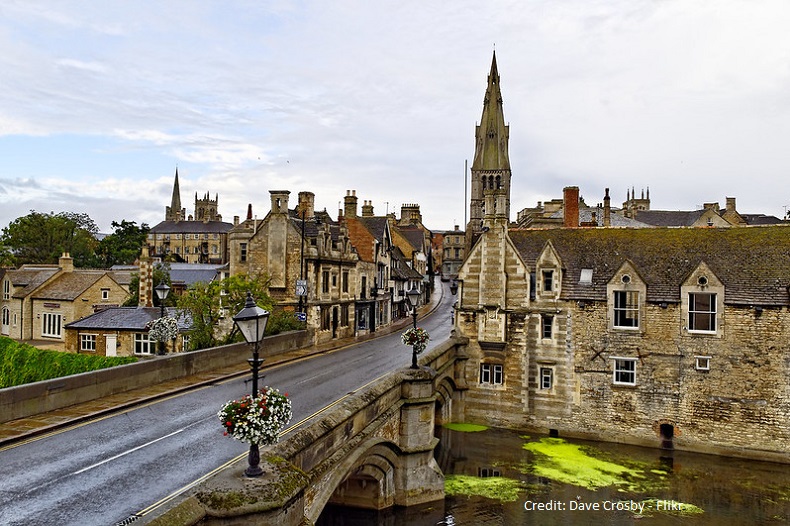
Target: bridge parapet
point(373, 449)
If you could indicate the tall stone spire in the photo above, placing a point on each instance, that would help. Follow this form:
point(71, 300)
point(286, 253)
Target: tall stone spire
point(174, 212)
point(491, 165)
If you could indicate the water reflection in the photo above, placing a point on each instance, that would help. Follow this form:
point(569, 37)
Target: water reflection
point(650, 481)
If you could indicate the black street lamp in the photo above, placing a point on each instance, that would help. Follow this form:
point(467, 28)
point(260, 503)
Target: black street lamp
point(162, 290)
point(251, 321)
point(413, 300)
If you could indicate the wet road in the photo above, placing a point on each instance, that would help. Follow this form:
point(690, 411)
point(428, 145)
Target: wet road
point(104, 471)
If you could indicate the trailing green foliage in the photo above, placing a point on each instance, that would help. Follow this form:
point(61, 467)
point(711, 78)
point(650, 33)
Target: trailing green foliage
point(21, 363)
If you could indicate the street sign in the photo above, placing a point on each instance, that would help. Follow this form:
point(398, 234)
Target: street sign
point(301, 287)
point(301, 316)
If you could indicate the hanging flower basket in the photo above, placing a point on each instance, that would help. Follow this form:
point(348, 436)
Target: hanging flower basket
point(163, 329)
point(417, 338)
point(257, 420)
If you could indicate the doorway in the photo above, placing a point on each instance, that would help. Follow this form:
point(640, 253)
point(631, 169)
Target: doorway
point(667, 432)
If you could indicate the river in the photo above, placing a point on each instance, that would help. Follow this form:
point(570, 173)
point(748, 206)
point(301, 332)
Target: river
point(497, 476)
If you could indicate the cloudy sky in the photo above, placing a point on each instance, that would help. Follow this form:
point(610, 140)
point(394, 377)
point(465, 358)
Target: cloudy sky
point(101, 101)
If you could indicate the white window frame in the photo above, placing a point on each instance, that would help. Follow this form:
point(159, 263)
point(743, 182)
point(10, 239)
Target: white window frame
point(143, 344)
point(693, 313)
point(546, 378)
point(546, 322)
point(105, 294)
point(51, 325)
point(622, 368)
point(623, 313)
point(492, 374)
point(6, 289)
point(88, 342)
point(702, 363)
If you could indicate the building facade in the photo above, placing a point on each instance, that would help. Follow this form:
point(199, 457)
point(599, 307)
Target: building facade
point(664, 337)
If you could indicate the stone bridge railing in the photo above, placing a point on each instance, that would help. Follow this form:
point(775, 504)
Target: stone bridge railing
point(373, 449)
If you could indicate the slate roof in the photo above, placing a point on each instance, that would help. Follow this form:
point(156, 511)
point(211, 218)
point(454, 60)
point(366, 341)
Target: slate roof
point(753, 263)
point(186, 273)
point(402, 271)
point(128, 318)
point(311, 225)
point(191, 227)
point(761, 219)
point(615, 220)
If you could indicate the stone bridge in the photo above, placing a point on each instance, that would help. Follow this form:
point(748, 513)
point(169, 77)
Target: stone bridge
point(373, 449)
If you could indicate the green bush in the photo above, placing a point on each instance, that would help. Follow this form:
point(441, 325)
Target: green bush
point(22, 364)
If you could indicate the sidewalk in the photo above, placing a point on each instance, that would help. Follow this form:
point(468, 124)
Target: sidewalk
point(26, 428)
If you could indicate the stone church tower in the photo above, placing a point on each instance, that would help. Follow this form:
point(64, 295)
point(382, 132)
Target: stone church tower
point(174, 212)
point(491, 165)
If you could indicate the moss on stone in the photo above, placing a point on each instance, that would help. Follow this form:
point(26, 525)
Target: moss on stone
point(464, 427)
point(497, 488)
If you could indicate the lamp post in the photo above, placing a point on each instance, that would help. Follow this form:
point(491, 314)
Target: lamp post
point(251, 321)
point(162, 290)
point(413, 300)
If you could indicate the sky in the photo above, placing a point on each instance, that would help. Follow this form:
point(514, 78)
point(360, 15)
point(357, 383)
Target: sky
point(100, 103)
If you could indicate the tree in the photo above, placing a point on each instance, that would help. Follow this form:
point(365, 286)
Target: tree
point(209, 304)
point(42, 238)
point(122, 246)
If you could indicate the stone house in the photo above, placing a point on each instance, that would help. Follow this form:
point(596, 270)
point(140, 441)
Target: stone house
point(338, 295)
point(370, 236)
point(453, 252)
point(122, 331)
point(39, 300)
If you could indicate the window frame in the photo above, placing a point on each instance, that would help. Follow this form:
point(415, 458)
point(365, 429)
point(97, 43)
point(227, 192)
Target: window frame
point(51, 325)
point(620, 312)
point(702, 363)
point(618, 370)
point(6, 289)
point(545, 373)
point(546, 324)
point(695, 314)
point(492, 374)
point(87, 342)
point(143, 341)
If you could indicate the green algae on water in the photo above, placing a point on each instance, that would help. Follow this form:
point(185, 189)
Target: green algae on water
point(497, 488)
point(672, 507)
point(463, 427)
point(568, 463)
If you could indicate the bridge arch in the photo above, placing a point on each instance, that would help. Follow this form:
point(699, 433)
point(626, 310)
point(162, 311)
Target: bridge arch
point(445, 391)
point(363, 479)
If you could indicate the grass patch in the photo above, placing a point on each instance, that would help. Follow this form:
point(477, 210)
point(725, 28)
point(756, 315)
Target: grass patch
point(465, 428)
point(496, 488)
point(22, 364)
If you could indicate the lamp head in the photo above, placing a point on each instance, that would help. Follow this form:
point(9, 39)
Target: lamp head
point(413, 297)
point(162, 290)
point(251, 321)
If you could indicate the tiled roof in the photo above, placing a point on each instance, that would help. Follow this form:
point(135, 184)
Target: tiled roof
point(753, 263)
point(191, 227)
point(69, 285)
point(669, 217)
point(30, 277)
point(128, 318)
point(615, 220)
point(761, 219)
point(361, 238)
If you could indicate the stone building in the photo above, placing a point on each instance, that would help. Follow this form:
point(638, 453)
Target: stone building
point(38, 300)
point(453, 252)
point(199, 238)
point(338, 294)
point(665, 337)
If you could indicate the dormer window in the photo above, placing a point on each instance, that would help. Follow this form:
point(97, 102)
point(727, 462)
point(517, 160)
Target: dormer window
point(626, 309)
point(702, 312)
point(548, 280)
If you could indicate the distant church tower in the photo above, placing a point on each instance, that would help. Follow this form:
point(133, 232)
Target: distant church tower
point(206, 208)
point(174, 212)
point(491, 165)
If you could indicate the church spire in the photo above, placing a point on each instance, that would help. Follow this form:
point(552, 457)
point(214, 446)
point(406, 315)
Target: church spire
point(490, 171)
point(174, 212)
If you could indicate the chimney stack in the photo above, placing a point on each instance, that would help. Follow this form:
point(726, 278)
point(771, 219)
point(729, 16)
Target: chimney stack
point(367, 209)
point(607, 209)
point(350, 204)
point(66, 262)
point(145, 280)
point(570, 198)
point(730, 204)
point(306, 205)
